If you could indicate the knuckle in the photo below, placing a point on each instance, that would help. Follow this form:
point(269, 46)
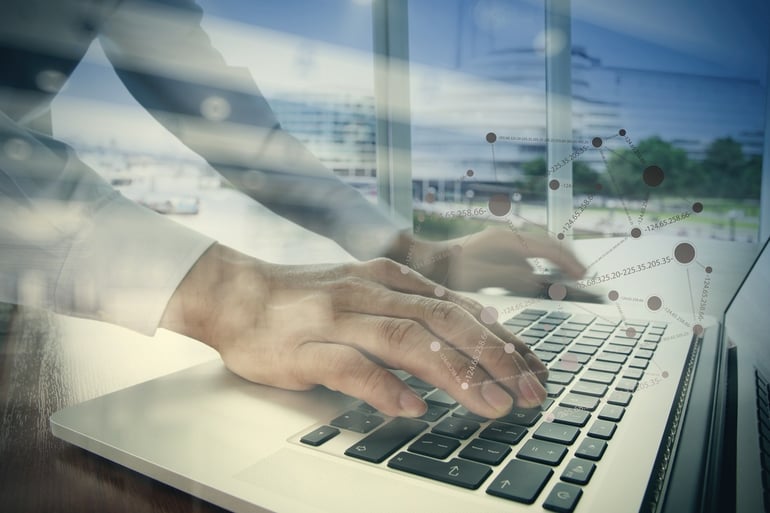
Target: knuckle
point(444, 311)
point(398, 332)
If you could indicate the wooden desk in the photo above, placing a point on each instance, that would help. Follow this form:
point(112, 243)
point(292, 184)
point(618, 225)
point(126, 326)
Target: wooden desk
point(48, 362)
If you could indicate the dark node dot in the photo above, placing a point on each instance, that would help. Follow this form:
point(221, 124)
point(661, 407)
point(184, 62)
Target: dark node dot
point(664, 374)
point(598, 186)
point(630, 332)
point(491, 137)
point(709, 269)
point(697, 207)
point(557, 291)
point(652, 176)
point(622, 131)
point(613, 295)
point(553, 184)
point(500, 204)
point(636, 233)
point(698, 330)
point(654, 303)
point(469, 172)
point(684, 253)
point(596, 141)
point(560, 236)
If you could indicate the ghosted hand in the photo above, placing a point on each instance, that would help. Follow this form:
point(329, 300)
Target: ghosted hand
point(343, 325)
point(490, 258)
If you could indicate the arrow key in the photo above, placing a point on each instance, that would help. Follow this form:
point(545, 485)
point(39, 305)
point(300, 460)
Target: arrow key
point(520, 481)
point(563, 498)
point(578, 471)
point(591, 448)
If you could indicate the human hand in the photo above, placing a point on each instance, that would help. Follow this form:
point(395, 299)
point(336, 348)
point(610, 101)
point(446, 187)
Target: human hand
point(490, 258)
point(342, 325)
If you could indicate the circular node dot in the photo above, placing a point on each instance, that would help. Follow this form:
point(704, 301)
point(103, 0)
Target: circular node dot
point(697, 207)
point(698, 330)
point(557, 291)
point(491, 137)
point(464, 386)
point(488, 315)
point(560, 236)
point(636, 233)
point(597, 142)
point(439, 291)
point(622, 131)
point(500, 204)
point(548, 417)
point(598, 186)
point(630, 332)
point(421, 217)
point(613, 295)
point(17, 149)
point(430, 197)
point(509, 348)
point(652, 176)
point(435, 346)
point(709, 269)
point(215, 108)
point(684, 253)
point(50, 80)
point(654, 303)
point(470, 193)
point(469, 173)
point(664, 374)
point(404, 269)
point(553, 184)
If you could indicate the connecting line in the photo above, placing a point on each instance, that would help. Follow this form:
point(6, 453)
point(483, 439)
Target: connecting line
point(494, 162)
point(621, 157)
point(692, 299)
point(589, 311)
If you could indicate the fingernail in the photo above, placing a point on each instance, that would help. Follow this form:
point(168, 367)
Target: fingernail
point(411, 405)
point(496, 397)
point(531, 392)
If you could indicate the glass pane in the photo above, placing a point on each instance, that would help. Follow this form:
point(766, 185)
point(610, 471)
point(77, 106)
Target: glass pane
point(668, 99)
point(478, 115)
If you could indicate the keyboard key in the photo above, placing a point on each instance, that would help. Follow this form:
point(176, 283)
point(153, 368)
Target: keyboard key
point(466, 474)
point(415, 382)
point(385, 441)
point(551, 347)
point(520, 481)
point(502, 432)
point(534, 312)
point(619, 398)
point(594, 333)
point(441, 398)
point(463, 412)
point(366, 408)
point(559, 315)
point(320, 435)
point(622, 341)
point(614, 348)
point(580, 358)
point(560, 378)
point(626, 385)
point(613, 368)
point(522, 416)
point(592, 342)
point(632, 373)
point(520, 323)
point(566, 366)
point(611, 357)
point(559, 338)
point(649, 346)
point(544, 356)
point(592, 389)
point(357, 421)
point(543, 326)
point(582, 402)
point(485, 451)
point(604, 378)
point(612, 412)
point(582, 349)
point(644, 353)
point(563, 498)
point(639, 363)
point(570, 416)
point(582, 319)
point(578, 471)
point(553, 389)
point(559, 433)
point(591, 448)
point(542, 452)
point(434, 445)
point(456, 427)
point(433, 413)
point(533, 334)
point(602, 429)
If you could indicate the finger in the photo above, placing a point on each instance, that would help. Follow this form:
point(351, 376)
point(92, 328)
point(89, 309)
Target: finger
point(556, 252)
point(343, 368)
point(406, 344)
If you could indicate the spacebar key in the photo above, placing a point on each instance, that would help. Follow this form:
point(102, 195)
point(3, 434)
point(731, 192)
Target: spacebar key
point(377, 446)
point(457, 472)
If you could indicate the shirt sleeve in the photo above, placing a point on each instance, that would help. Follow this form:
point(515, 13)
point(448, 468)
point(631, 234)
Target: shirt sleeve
point(167, 62)
point(72, 244)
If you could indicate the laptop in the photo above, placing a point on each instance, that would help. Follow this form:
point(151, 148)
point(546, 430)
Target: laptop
point(645, 413)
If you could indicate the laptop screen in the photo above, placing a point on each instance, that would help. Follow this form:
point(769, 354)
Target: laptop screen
point(746, 319)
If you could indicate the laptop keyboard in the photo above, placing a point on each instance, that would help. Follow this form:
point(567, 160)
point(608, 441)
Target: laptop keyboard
point(595, 366)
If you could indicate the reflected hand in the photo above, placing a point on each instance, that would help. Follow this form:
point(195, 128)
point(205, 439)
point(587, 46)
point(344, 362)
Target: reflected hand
point(491, 258)
point(343, 325)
